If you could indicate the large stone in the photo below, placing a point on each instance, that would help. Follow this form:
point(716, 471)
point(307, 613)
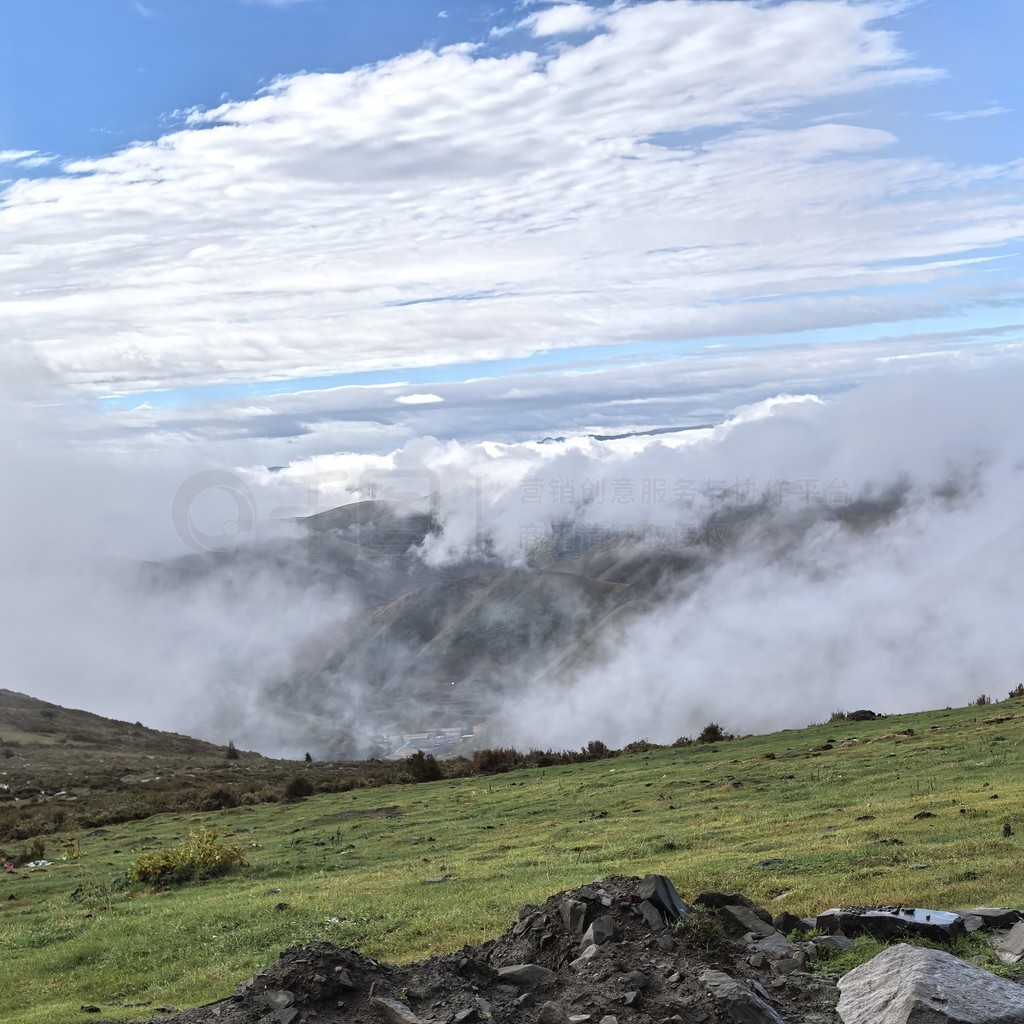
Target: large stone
point(604, 929)
point(833, 943)
point(747, 920)
point(526, 975)
point(660, 891)
point(893, 922)
point(910, 985)
point(276, 999)
point(786, 922)
point(551, 1013)
point(588, 954)
point(286, 1015)
point(393, 1012)
point(737, 1002)
point(574, 916)
point(652, 915)
point(775, 945)
point(1009, 945)
point(993, 917)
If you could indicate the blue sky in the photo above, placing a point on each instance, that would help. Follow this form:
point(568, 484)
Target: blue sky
point(82, 78)
point(538, 189)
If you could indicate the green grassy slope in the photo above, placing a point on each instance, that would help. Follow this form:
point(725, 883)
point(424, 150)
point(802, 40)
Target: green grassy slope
point(405, 871)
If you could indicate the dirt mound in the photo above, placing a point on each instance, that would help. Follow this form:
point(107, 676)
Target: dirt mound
point(621, 949)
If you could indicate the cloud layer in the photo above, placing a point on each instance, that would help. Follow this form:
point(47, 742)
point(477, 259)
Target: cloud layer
point(665, 175)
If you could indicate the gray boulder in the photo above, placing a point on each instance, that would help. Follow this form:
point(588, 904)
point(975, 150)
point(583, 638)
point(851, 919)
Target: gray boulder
point(746, 919)
point(775, 945)
point(833, 943)
point(738, 1003)
point(603, 930)
point(393, 1012)
point(574, 915)
point(991, 917)
point(526, 975)
point(910, 985)
point(650, 913)
point(660, 891)
point(888, 923)
point(1009, 945)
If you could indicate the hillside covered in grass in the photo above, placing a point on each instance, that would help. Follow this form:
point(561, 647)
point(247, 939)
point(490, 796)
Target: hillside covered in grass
point(907, 809)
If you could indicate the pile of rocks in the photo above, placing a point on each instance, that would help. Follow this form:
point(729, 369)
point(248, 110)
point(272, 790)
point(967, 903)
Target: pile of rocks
point(630, 951)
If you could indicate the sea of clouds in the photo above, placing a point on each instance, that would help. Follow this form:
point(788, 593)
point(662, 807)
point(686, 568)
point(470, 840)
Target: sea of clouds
point(868, 553)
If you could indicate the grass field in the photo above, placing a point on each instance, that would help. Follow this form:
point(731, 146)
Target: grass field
point(405, 871)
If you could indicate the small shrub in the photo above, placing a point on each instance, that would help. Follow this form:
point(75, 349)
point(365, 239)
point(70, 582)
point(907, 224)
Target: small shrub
point(713, 733)
point(423, 767)
point(837, 716)
point(542, 758)
point(982, 700)
point(683, 741)
point(298, 789)
point(8, 752)
point(1017, 691)
point(702, 932)
point(643, 746)
point(597, 750)
point(200, 856)
point(232, 754)
point(495, 761)
point(218, 799)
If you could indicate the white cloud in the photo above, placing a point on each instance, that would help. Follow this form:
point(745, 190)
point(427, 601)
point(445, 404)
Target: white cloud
point(418, 399)
point(578, 397)
point(453, 206)
point(36, 161)
point(564, 19)
point(964, 115)
point(11, 156)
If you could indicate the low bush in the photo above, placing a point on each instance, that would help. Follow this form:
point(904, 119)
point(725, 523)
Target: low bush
point(298, 789)
point(218, 798)
point(423, 767)
point(497, 760)
point(643, 746)
point(200, 856)
point(713, 733)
